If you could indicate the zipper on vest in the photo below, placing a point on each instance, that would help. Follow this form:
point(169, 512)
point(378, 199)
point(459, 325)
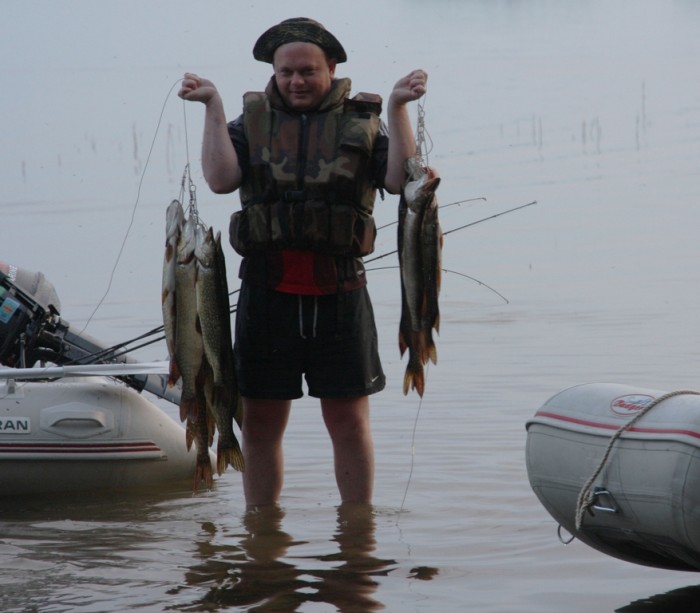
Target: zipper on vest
point(303, 153)
point(302, 159)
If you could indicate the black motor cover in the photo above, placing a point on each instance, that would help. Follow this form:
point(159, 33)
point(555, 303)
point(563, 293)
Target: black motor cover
point(21, 318)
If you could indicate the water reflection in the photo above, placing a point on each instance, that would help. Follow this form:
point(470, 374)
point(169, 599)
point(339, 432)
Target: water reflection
point(261, 572)
point(682, 599)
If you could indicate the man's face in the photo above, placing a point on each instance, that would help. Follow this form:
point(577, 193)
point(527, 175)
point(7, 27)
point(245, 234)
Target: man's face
point(303, 74)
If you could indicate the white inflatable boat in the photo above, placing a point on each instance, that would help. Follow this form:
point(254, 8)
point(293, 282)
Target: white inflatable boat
point(619, 468)
point(75, 434)
point(72, 417)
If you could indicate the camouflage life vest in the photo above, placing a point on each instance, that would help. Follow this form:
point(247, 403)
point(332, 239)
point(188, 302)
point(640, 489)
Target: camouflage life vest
point(309, 184)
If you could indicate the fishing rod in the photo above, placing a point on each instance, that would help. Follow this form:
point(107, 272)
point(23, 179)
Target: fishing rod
point(441, 206)
point(473, 223)
point(454, 272)
point(232, 308)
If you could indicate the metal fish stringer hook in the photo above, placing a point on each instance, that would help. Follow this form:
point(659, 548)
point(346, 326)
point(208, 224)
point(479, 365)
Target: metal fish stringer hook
point(422, 137)
point(191, 190)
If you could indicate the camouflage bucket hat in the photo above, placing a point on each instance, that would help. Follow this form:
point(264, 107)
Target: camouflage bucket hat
point(297, 29)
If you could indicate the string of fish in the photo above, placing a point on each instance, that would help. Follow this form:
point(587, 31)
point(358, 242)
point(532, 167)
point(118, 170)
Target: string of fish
point(420, 161)
point(197, 329)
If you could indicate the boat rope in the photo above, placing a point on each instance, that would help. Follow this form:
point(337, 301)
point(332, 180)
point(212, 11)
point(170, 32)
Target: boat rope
point(586, 496)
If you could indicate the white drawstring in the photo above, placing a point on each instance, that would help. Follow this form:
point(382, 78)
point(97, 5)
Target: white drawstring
point(313, 331)
point(301, 318)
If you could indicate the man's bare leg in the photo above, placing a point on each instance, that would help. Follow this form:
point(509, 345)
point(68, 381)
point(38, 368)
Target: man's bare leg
point(348, 424)
point(264, 423)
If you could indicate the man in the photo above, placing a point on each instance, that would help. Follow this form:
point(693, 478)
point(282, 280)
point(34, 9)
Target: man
point(308, 161)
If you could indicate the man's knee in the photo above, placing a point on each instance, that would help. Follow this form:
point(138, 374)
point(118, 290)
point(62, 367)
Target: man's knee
point(350, 422)
point(264, 420)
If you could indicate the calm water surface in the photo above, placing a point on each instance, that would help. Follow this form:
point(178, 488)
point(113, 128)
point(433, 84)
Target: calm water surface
point(591, 109)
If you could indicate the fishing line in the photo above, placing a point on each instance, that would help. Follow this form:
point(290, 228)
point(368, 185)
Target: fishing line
point(131, 223)
point(413, 454)
point(136, 203)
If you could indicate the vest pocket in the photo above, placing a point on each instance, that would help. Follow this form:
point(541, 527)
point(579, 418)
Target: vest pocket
point(337, 229)
point(249, 229)
point(364, 234)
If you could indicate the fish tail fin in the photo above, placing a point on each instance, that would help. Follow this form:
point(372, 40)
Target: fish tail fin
point(414, 378)
point(237, 460)
point(231, 456)
point(222, 460)
point(428, 349)
point(188, 409)
point(203, 474)
point(189, 436)
point(432, 353)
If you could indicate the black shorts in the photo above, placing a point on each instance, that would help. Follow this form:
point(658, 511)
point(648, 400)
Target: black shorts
point(331, 340)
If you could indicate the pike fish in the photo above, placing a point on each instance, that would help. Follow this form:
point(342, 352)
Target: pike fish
point(174, 218)
point(197, 324)
point(217, 373)
point(212, 301)
point(420, 252)
point(189, 348)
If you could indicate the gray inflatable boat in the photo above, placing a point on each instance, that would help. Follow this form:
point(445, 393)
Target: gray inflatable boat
point(618, 467)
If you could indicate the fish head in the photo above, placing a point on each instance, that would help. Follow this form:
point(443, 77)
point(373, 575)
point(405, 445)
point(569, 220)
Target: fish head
point(420, 188)
point(174, 218)
point(187, 241)
point(205, 246)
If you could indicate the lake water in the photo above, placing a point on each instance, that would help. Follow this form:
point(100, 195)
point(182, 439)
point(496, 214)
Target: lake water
point(590, 108)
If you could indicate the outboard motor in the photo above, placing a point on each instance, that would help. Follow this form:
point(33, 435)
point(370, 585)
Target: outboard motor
point(31, 331)
point(22, 317)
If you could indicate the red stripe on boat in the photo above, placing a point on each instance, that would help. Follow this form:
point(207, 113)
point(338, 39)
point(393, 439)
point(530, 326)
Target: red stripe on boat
point(595, 424)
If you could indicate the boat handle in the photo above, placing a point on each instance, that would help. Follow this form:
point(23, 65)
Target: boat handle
point(97, 418)
point(607, 505)
point(70, 421)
